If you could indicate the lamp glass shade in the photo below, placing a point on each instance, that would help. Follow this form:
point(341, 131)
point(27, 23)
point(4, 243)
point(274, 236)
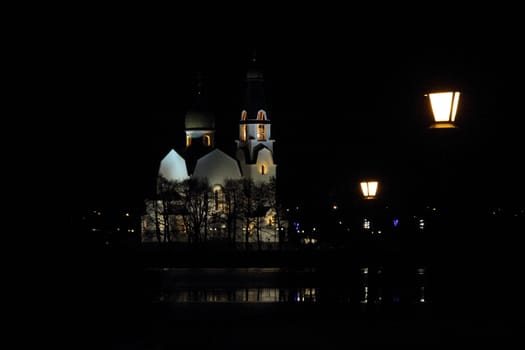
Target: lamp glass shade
point(444, 106)
point(369, 189)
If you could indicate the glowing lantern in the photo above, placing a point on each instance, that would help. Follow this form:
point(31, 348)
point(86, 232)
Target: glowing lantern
point(369, 189)
point(444, 108)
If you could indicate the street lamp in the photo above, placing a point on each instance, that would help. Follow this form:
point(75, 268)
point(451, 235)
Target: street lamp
point(369, 189)
point(444, 108)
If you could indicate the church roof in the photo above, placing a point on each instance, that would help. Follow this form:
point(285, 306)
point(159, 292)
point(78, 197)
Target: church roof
point(217, 167)
point(173, 167)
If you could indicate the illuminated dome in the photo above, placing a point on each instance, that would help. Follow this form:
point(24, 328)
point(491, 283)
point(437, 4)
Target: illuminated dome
point(173, 167)
point(199, 120)
point(217, 167)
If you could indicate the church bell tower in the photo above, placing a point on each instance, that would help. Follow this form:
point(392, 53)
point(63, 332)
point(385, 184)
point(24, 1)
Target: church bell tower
point(255, 146)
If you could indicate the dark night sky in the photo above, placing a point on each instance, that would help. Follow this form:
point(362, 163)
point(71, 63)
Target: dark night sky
point(342, 92)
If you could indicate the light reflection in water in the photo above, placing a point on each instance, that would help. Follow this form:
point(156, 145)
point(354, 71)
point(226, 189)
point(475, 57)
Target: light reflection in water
point(241, 295)
point(421, 284)
point(370, 286)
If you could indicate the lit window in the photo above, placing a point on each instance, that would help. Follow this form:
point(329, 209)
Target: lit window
point(243, 132)
point(263, 170)
point(244, 114)
point(260, 115)
point(260, 132)
point(188, 140)
point(206, 139)
point(366, 224)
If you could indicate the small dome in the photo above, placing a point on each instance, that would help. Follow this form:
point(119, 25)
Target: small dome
point(199, 120)
point(173, 167)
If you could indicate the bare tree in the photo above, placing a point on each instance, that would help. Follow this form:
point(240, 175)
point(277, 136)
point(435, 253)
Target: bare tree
point(247, 208)
point(195, 193)
point(274, 203)
point(232, 197)
point(260, 203)
point(151, 221)
point(156, 210)
point(164, 208)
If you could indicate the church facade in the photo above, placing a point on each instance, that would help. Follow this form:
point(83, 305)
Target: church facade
point(204, 194)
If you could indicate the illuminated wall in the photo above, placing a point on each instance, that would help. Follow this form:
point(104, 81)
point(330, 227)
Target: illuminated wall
point(263, 169)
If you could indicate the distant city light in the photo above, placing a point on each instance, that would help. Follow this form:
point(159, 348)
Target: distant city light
point(422, 294)
point(364, 300)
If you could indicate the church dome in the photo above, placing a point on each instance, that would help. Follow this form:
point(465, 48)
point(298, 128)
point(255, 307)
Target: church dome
point(199, 120)
point(217, 167)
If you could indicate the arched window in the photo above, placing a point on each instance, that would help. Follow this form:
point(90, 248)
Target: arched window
point(261, 115)
point(188, 140)
point(244, 131)
point(244, 114)
point(217, 197)
point(206, 139)
point(263, 169)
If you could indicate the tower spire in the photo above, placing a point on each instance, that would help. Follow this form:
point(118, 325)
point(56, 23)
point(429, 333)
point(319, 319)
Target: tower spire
point(255, 145)
point(199, 124)
point(254, 97)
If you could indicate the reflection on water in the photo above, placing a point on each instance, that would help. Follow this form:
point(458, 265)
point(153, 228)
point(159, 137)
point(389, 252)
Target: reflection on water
point(369, 285)
point(421, 284)
point(241, 295)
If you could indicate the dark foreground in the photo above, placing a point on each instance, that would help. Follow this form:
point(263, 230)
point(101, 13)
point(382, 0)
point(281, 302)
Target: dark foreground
point(121, 302)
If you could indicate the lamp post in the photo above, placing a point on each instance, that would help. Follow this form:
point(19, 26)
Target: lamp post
point(444, 106)
point(443, 180)
point(369, 190)
point(372, 225)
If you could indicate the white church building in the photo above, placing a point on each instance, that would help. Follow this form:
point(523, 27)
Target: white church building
point(237, 201)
